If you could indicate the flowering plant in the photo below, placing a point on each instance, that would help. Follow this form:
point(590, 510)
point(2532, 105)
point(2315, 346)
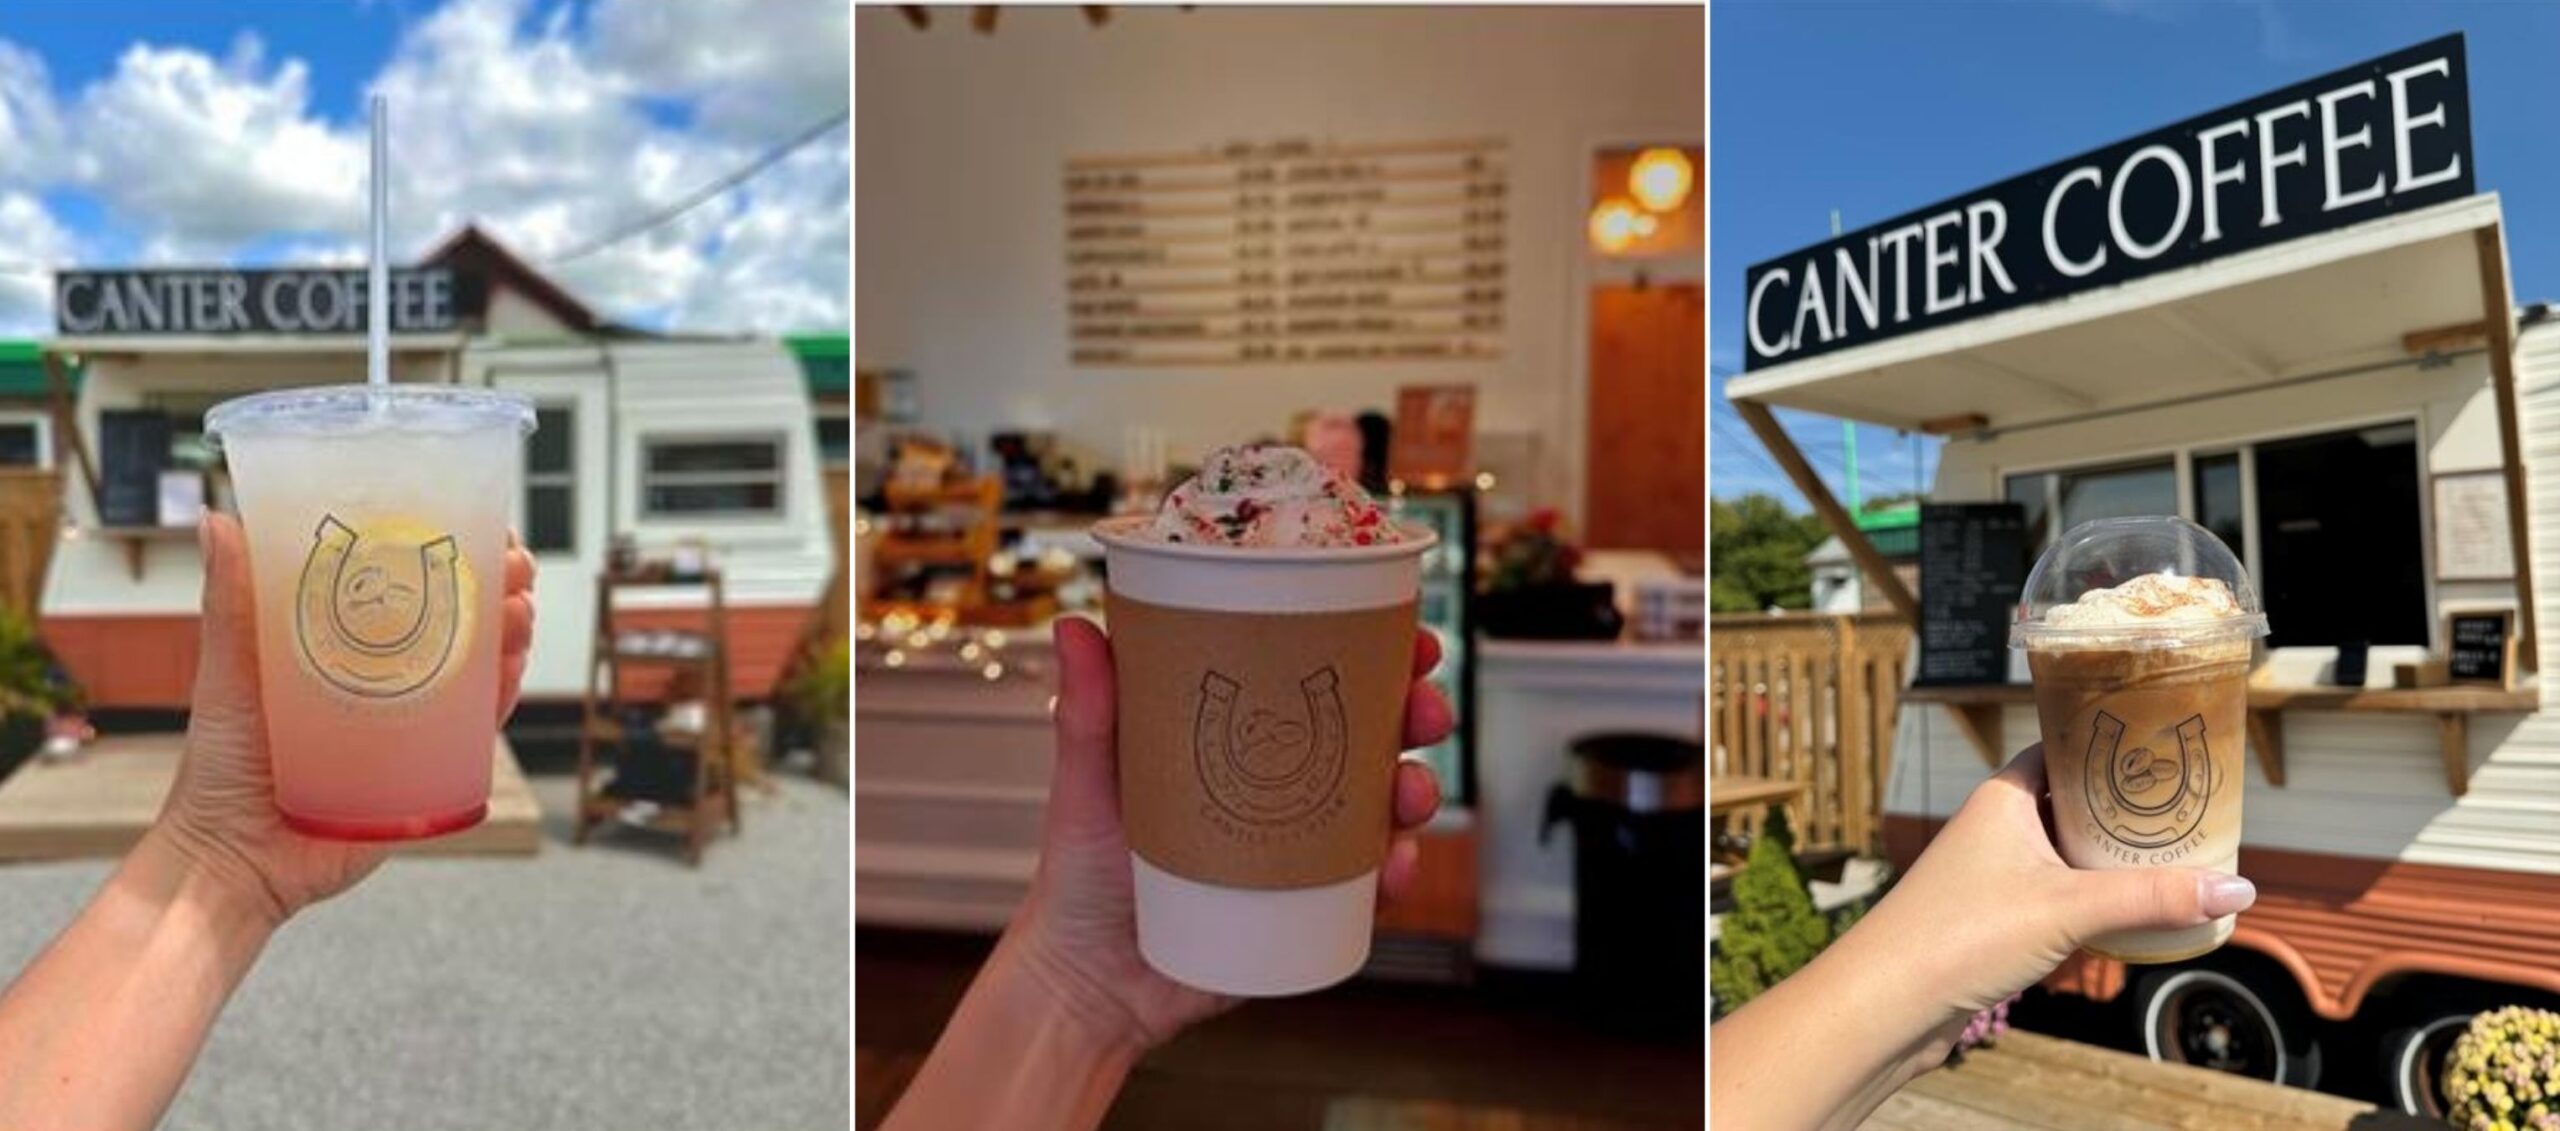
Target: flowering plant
point(1534, 553)
point(2504, 1072)
point(1984, 1029)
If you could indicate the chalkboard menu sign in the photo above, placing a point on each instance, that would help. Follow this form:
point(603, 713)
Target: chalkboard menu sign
point(2481, 647)
point(1973, 562)
point(133, 448)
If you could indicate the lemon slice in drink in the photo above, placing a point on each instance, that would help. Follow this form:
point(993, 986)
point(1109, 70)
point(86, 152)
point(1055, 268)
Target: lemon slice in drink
point(383, 608)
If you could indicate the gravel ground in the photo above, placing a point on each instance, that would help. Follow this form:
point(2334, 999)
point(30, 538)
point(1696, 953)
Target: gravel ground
point(604, 987)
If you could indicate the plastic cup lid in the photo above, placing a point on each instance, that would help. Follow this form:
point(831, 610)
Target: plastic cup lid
point(2109, 552)
point(354, 409)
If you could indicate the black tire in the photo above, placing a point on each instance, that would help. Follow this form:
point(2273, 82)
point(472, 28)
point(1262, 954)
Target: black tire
point(2413, 1061)
point(2228, 1020)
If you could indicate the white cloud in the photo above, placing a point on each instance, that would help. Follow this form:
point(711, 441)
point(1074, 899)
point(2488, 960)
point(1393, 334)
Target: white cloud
point(507, 113)
point(754, 86)
point(209, 155)
point(31, 237)
point(30, 125)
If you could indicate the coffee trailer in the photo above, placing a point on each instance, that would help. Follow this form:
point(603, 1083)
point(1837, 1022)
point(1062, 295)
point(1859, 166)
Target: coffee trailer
point(2289, 321)
point(709, 446)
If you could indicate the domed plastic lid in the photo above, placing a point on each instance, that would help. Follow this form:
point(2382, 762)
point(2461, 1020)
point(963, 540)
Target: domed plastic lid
point(2148, 582)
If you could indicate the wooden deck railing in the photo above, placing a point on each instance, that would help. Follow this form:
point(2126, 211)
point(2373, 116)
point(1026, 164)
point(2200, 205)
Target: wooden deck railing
point(1809, 698)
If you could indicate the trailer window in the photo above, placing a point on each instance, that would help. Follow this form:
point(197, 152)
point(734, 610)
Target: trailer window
point(550, 481)
point(707, 477)
point(2056, 501)
point(2338, 532)
point(21, 443)
point(835, 437)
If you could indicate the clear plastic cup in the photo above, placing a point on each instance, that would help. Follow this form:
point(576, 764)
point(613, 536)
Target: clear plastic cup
point(376, 519)
point(2143, 711)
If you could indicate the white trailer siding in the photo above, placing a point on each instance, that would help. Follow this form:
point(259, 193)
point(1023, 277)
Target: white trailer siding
point(2358, 784)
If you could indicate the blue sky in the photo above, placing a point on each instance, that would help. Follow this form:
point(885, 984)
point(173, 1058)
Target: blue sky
point(232, 131)
point(1878, 108)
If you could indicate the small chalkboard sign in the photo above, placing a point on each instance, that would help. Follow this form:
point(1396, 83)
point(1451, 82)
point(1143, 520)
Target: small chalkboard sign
point(1973, 562)
point(2480, 647)
point(133, 449)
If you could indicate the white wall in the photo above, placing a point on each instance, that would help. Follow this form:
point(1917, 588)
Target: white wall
point(960, 140)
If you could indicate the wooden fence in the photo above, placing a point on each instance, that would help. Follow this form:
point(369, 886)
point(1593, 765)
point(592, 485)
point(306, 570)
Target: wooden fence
point(30, 522)
point(1809, 698)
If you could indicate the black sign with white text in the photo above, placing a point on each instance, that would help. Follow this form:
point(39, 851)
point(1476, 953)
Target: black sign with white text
point(1973, 562)
point(217, 301)
point(2383, 136)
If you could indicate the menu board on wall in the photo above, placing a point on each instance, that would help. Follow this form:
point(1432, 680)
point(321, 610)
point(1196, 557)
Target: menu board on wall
point(1294, 251)
point(1973, 562)
point(2473, 540)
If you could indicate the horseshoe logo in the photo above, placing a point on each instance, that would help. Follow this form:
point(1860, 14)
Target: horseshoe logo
point(2140, 797)
point(380, 615)
point(1263, 767)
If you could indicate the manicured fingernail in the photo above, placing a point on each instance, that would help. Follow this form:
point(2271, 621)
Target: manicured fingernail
point(2225, 895)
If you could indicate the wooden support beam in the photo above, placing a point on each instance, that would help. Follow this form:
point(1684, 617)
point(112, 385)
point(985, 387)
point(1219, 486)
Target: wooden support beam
point(2453, 729)
point(1879, 571)
point(2499, 316)
point(66, 430)
point(2266, 736)
point(1950, 425)
point(2439, 339)
point(1980, 725)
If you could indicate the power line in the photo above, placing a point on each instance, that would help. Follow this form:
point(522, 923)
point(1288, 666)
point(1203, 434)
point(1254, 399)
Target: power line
point(707, 192)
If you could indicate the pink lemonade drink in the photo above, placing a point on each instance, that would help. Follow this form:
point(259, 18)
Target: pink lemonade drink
point(377, 527)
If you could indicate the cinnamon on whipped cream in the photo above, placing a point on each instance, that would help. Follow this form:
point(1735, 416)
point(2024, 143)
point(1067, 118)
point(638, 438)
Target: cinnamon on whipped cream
point(2151, 599)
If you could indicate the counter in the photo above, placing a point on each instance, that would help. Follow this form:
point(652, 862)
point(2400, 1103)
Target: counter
point(1536, 697)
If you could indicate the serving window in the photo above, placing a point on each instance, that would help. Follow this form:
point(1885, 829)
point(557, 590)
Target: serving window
point(2329, 524)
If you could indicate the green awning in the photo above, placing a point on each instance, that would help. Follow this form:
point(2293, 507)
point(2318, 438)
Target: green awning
point(22, 370)
point(825, 361)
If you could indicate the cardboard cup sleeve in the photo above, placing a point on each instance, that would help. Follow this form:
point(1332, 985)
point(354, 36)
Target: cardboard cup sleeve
point(1258, 749)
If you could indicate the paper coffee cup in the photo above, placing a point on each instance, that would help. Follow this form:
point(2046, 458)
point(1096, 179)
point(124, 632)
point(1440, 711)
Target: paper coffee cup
point(1261, 696)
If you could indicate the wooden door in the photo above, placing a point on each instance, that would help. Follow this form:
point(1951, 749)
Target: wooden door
point(1645, 481)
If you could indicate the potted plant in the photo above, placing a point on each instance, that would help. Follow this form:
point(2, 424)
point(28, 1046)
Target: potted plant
point(2503, 1072)
point(33, 689)
point(824, 696)
point(1531, 591)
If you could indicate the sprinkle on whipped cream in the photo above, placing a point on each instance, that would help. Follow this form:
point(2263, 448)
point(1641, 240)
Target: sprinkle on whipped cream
point(2153, 598)
point(1271, 495)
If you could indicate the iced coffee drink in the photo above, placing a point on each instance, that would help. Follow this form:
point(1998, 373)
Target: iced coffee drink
point(2138, 634)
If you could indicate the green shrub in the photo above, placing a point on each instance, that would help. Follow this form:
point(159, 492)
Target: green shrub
point(1773, 929)
point(2504, 1072)
point(825, 688)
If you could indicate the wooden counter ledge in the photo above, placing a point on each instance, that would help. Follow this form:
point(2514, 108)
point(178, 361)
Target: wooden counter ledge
point(1977, 707)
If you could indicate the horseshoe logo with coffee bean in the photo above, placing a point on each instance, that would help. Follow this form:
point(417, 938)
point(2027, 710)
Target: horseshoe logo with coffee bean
point(2144, 798)
point(1266, 767)
point(380, 613)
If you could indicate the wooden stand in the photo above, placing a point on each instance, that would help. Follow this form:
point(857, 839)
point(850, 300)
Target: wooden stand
point(713, 795)
point(969, 549)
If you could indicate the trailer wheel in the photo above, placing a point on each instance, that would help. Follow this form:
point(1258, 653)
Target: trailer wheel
point(2413, 1059)
point(2214, 1019)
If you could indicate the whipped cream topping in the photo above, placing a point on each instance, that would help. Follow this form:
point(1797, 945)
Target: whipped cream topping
point(2151, 599)
point(1271, 495)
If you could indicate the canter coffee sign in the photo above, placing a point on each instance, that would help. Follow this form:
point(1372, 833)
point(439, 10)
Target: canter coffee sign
point(2376, 138)
point(222, 301)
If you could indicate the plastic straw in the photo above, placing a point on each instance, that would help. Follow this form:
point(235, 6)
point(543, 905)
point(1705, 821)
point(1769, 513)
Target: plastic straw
point(378, 284)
